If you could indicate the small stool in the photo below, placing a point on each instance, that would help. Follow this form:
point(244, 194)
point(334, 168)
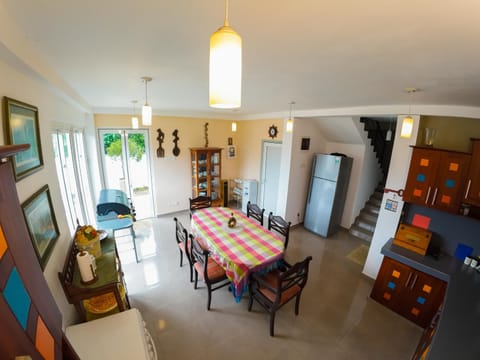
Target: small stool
point(108, 222)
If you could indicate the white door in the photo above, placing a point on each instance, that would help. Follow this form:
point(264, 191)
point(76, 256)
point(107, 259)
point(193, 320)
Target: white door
point(271, 157)
point(126, 166)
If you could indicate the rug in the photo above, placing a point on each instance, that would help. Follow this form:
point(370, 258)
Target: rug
point(359, 254)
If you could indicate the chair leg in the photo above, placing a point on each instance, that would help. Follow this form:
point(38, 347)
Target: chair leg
point(297, 303)
point(272, 322)
point(191, 273)
point(209, 296)
point(196, 280)
point(181, 257)
point(250, 300)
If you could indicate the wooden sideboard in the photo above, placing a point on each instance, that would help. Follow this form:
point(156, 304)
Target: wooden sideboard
point(109, 273)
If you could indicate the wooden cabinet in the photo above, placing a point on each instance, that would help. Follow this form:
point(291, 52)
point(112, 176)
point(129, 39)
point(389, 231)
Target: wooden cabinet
point(206, 164)
point(107, 289)
point(472, 193)
point(437, 178)
point(411, 293)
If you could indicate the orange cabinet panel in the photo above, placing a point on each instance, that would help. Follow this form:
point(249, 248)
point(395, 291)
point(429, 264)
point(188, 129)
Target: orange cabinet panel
point(411, 293)
point(472, 193)
point(437, 178)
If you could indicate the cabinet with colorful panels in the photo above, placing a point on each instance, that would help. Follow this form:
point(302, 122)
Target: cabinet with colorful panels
point(411, 293)
point(437, 178)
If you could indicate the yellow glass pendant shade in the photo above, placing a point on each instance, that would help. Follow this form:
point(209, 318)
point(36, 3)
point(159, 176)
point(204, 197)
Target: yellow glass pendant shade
point(225, 68)
point(407, 127)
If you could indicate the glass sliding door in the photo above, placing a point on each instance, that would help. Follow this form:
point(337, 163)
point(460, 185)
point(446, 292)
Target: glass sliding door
point(126, 166)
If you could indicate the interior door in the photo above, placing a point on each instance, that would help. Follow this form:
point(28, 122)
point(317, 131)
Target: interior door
point(126, 166)
point(271, 157)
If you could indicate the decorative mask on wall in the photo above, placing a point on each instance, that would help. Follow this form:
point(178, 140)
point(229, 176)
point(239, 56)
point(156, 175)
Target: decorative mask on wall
point(176, 149)
point(206, 134)
point(160, 137)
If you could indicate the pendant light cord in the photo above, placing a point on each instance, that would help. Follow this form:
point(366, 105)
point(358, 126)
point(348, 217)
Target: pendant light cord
point(146, 98)
point(226, 14)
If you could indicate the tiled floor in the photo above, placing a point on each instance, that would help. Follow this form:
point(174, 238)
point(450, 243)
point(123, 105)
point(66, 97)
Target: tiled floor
point(337, 318)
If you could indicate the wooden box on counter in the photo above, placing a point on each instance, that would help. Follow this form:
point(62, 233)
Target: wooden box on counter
point(413, 238)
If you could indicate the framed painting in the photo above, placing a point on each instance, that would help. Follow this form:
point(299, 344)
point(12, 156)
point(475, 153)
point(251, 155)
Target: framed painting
point(22, 127)
point(231, 151)
point(41, 223)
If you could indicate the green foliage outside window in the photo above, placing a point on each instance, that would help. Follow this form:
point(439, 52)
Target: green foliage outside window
point(113, 145)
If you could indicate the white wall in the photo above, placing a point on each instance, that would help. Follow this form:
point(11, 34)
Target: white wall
point(296, 169)
point(387, 222)
point(53, 110)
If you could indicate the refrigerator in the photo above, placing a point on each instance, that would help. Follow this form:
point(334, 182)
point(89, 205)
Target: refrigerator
point(327, 193)
point(249, 193)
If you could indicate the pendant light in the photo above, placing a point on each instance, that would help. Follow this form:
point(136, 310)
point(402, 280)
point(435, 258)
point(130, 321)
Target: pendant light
point(146, 109)
point(234, 126)
point(388, 135)
point(289, 127)
point(134, 118)
point(225, 67)
point(407, 123)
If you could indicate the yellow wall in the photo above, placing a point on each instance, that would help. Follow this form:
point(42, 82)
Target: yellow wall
point(248, 138)
point(172, 176)
point(452, 133)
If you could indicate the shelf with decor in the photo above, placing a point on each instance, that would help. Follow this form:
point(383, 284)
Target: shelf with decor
point(206, 168)
point(107, 294)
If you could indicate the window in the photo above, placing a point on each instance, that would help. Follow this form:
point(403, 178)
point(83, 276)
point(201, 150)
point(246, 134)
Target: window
point(71, 164)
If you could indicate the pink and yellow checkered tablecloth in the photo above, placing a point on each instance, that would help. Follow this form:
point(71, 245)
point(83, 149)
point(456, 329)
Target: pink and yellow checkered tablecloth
point(240, 250)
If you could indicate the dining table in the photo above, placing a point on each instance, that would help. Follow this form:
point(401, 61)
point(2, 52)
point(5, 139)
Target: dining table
point(242, 249)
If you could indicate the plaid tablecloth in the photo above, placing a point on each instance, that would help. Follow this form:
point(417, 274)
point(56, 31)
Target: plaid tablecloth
point(240, 250)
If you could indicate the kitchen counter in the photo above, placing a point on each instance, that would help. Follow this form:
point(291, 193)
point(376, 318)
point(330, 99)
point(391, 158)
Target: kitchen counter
point(458, 331)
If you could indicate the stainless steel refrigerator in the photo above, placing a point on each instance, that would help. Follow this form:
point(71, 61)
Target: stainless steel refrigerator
point(327, 193)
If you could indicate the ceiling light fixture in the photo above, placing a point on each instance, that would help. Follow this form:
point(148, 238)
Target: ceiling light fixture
point(407, 123)
point(225, 67)
point(290, 119)
point(234, 126)
point(134, 118)
point(146, 109)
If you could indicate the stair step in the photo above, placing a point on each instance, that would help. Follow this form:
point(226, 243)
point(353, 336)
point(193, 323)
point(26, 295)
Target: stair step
point(365, 224)
point(374, 209)
point(369, 215)
point(374, 202)
point(377, 195)
point(361, 233)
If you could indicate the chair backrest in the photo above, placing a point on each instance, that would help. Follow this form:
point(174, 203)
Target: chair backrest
point(296, 275)
point(281, 226)
point(198, 254)
point(181, 234)
point(254, 211)
point(200, 202)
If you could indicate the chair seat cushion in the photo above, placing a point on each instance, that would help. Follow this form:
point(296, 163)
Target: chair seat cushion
point(272, 279)
point(214, 271)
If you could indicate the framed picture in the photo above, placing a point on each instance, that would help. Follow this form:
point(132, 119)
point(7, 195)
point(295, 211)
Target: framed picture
point(305, 144)
point(231, 151)
point(41, 223)
point(22, 127)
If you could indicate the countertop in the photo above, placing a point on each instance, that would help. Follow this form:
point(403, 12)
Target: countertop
point(458, 331)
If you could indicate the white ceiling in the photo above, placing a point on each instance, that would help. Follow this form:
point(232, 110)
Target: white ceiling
point(322, 54)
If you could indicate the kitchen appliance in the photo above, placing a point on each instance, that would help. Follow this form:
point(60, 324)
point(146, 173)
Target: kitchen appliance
point(249, 193)
point(327, 193)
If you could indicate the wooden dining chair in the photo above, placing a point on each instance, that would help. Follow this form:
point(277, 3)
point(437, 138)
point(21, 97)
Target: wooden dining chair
point(183, 242)
point(275, 288)
point(200, 202)
point(209, 270)
point(281, 226)
point(254, 211)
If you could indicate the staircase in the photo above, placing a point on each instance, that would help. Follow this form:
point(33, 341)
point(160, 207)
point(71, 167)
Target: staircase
point(365, 223)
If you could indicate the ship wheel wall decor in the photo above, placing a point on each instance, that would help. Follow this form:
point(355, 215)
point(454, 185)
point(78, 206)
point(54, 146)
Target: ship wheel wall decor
point(273, 131)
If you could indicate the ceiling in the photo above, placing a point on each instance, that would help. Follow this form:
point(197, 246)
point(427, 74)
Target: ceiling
point(321, 54)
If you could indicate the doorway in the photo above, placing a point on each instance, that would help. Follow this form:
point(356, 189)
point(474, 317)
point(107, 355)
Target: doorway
point(126, 166)
point(270, 174)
